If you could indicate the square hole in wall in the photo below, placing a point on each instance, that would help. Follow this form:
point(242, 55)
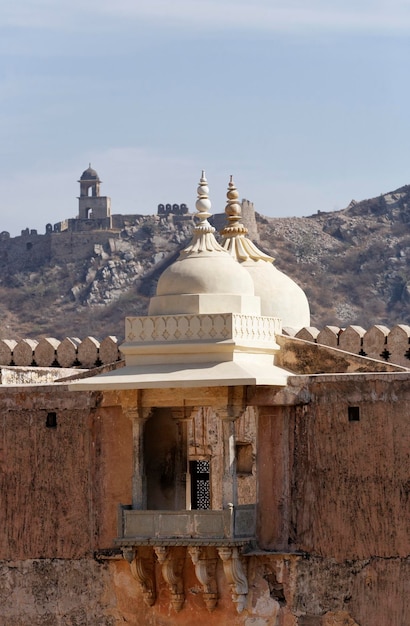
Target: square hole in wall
point(244, 458)
point(353, 413)
point(51, 420)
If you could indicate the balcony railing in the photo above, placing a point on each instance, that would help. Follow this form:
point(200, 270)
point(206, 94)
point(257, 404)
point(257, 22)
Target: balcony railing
point(201, 526)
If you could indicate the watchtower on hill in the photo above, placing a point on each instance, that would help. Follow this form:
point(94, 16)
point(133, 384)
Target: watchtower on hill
point(90, 204)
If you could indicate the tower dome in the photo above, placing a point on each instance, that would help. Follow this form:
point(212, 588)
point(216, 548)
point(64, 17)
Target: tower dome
point(205, 278)
point(89, 174)
point(280, 295)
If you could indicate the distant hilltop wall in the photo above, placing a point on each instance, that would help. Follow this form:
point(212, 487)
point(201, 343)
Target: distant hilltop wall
point(66, 241)
point(378, 342)
point(172, 209)
point(77, 237)
point(32, 250)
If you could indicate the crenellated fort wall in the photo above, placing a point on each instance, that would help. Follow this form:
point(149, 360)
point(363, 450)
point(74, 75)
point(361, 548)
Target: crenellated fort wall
point(50, 352)
point(378, 342)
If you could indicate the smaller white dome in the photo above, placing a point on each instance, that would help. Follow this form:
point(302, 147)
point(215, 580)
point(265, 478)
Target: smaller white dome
point(280, 295)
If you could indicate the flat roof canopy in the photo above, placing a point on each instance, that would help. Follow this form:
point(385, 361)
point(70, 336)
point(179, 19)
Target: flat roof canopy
point(169, 375)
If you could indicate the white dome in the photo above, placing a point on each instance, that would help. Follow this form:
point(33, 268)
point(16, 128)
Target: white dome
point(205, 278)
point(214, 273)
point(280, 295)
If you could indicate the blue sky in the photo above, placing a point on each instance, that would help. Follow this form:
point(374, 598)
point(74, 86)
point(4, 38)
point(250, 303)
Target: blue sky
point(304, 102)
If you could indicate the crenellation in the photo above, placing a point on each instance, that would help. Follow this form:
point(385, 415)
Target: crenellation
point(67, 351)
point(6, 351)
point(309, 333)
point(375, 341)
point(88, 352)
point(351, 339)
point(108, 352)
point(378, 342)
point(23, 353)
point(172, 209)
point(398, 342)
point(45, 353)
point(329, 336)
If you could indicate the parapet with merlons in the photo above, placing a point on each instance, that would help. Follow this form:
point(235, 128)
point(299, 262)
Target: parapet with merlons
point(378, 342)
point(50, 352)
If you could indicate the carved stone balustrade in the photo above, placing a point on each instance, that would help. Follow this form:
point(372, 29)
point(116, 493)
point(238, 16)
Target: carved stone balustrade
point(197, 527)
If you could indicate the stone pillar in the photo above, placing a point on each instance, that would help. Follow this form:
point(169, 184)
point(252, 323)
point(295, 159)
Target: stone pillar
point(139, 417)
point(228, 416)
point(182, 415)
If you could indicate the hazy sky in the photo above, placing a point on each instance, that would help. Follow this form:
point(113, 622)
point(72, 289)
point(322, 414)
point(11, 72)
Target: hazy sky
point(305, 102)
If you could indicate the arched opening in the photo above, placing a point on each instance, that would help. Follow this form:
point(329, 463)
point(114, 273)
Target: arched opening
point(88, 213)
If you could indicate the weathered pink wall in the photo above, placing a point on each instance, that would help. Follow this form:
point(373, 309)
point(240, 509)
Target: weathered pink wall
point(60, 486)
point(337, 490)
point(347, 482)
point(350, 483)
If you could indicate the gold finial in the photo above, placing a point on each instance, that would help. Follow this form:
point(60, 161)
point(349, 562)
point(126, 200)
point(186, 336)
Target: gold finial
point(233, 211)
point(234, 233)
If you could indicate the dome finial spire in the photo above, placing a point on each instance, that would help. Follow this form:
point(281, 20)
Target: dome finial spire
point(233, 211)
point(203, 203)
point(234, 233)
point(203, 239)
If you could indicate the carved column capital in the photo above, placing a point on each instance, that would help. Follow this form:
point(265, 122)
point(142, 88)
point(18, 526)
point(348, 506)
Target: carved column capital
point(230, 413)
point(182, 413)
point(137, 413)
point(235, 575)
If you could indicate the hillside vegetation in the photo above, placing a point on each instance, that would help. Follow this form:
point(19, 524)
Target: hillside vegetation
point(353, 265)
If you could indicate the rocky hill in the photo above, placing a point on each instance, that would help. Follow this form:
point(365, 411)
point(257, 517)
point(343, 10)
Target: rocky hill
point(353, 265)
